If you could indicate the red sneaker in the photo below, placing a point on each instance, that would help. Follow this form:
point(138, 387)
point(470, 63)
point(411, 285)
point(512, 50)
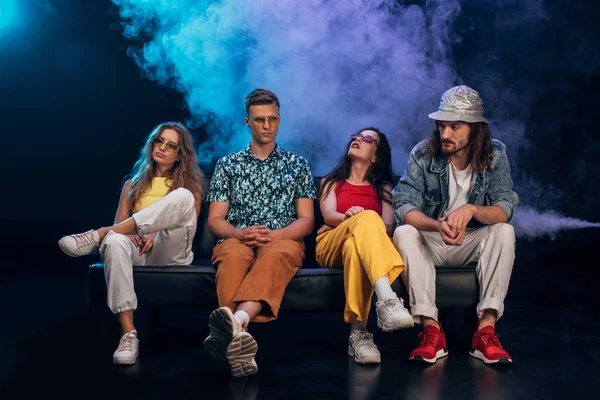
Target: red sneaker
point(486, 346)
point(432, 347)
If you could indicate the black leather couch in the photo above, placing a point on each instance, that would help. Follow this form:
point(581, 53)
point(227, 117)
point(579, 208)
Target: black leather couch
point(312, 289)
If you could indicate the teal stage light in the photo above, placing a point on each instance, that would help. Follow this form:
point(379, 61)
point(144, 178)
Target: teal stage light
point(8, 11)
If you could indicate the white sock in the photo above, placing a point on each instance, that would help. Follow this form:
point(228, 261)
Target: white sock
point(242, 316)
point(356, 327)
point(383, 290)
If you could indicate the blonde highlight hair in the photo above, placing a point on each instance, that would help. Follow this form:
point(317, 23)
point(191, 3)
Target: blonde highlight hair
point(185, 173)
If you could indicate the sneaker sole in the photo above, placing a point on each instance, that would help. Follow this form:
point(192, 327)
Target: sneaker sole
point(240, 355)
point(400, 324)
point(220, 323)
point(479, 355)
point(65, 249)
point(375, 359)
point(440, 354)
point(125, 360)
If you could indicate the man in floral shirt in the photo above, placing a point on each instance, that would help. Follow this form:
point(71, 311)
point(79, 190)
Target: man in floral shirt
point(261, 206)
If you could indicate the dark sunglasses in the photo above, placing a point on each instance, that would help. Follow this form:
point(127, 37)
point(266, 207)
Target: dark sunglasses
point(364, 138)
point(170, 146)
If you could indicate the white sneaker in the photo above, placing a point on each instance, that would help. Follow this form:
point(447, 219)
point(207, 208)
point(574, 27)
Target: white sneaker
point(128, 350)
point(223, 328)
point(362, 348)
point(391, 315)
point(80, 244)
point(240, 354)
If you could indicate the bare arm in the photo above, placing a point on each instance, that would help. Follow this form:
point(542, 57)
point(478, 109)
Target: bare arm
point(124, 209)
point(197, 203)
point(458, 219)
point(328, 205)
point(217, 224)
point(421, 221)
point(489, 215)
point(303, 226)
point(387, 213)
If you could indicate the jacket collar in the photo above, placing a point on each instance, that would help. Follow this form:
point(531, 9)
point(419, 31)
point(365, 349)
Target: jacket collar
point(438, 164)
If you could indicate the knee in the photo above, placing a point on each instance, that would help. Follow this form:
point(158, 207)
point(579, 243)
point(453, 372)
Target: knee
point(369, 217)
point(184, 197)
point(406, 236)
point(504, 232)
point(289, 250)
point(349, 245)
point(230, 252)
point(238, 259)
point(370, 214)
point(114, 241)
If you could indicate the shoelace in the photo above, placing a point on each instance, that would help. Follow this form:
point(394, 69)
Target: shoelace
point(388, 304)
point(486, 338)
point(363, 339)
point(428, 338)
point(84, 239)
point(127, 343)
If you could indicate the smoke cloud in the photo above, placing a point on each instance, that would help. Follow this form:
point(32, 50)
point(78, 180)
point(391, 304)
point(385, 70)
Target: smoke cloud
point(338, 66)
point(531, 224)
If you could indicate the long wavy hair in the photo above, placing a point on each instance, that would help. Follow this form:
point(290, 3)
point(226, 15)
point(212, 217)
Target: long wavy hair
point(379, 174)
point(185, 172)
point(480, 140)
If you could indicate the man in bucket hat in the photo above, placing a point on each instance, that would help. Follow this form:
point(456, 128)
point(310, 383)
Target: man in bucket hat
point(453, 204)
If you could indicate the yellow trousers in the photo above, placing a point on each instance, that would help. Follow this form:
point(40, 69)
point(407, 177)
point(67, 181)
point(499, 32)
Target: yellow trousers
point(362, 247)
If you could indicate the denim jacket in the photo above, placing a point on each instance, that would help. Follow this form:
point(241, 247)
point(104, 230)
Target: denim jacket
point(424, 185)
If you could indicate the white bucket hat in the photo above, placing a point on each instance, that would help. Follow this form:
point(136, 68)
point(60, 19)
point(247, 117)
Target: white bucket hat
point(461, 103)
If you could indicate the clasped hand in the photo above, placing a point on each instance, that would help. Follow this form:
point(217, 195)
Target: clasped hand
point(454, 226)
point(256, 236)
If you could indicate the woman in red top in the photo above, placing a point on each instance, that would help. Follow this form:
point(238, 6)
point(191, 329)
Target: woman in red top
point(355, 200)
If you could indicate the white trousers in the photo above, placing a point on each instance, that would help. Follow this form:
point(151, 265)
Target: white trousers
point(492, 247)
point(174, 218)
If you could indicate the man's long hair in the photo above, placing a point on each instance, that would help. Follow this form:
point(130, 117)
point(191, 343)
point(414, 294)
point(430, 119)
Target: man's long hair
point(379, 174)
point(185, 173)
point(480, 140)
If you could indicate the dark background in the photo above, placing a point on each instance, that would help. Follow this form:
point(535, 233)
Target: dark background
point(75, 109)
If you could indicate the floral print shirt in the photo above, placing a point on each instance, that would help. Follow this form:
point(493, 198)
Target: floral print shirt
point(261, 192)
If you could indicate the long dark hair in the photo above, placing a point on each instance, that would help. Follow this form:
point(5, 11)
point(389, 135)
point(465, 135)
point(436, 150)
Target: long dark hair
point(379, 174)
point(481, 145)
point(185, 173)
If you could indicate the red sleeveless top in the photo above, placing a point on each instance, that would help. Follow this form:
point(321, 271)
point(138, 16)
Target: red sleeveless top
point(349, 195)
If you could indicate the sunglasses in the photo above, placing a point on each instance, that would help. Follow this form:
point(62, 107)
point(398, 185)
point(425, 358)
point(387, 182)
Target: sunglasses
point(364, 138)
point(260, 121)
point(170, 146)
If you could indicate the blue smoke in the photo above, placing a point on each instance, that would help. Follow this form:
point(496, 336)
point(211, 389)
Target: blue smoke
point(338, 66)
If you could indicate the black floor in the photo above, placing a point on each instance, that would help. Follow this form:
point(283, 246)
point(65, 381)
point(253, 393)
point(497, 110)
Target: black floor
point(50, 344)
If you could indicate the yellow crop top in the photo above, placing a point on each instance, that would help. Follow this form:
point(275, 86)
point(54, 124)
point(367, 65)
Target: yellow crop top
point(157, 191)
